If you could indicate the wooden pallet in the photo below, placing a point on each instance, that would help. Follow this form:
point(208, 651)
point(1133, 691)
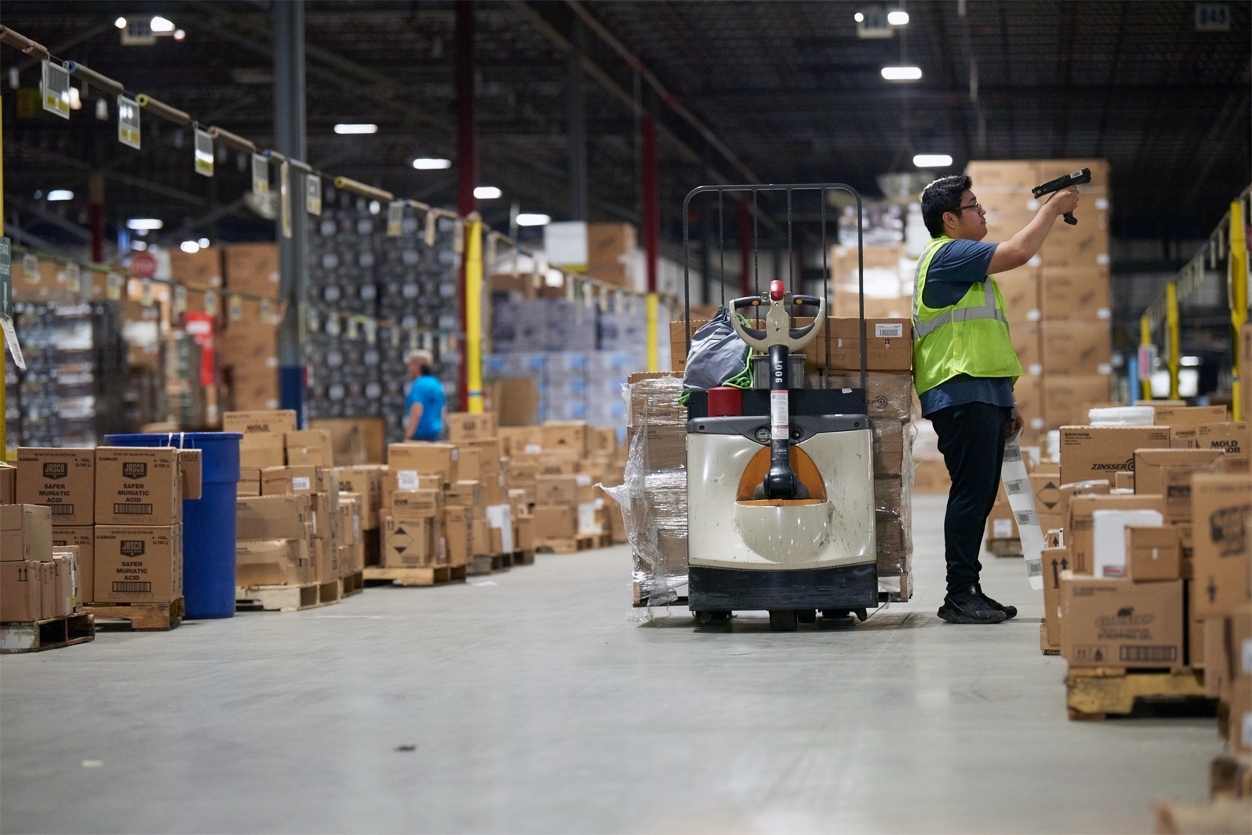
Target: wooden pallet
point(572, 545)
point(433, 576)
point(489, 563)
point(39, 635)
point(1043, 640)
point(143, 617)
point(352, 584)
point(1223, 815)
point(1230, 775)
point(1100, 691)
point(287, 598)
point(526, 557)
point(1004, 547)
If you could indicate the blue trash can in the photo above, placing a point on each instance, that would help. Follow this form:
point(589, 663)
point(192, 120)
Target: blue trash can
point(208, 522)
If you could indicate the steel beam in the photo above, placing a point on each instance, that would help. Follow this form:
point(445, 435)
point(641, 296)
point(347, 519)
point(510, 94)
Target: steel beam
point(290, 139)
point(467, 162)
point(576, 128)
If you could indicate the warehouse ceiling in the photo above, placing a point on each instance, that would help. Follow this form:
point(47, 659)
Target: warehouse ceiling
point(773, 90)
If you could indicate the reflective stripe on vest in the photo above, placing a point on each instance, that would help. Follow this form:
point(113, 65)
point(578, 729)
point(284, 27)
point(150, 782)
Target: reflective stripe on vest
point(988, 310)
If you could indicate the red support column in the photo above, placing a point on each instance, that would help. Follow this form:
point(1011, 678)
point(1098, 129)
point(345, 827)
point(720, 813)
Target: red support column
point(467, 163)
point(651, 202)
point(95, 215)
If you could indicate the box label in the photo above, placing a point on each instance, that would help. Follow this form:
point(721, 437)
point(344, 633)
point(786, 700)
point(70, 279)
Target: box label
point(300, 482)
point(889, 330)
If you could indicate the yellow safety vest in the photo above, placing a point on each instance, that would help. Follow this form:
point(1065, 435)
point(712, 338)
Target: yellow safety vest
point(970, 337)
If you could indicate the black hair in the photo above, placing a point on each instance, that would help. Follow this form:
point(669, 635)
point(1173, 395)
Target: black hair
point(943, 195)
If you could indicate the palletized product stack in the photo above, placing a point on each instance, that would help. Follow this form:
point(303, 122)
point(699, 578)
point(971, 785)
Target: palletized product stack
point(1058, 304)
point(1146, 573)
point(38, 580)
point(250, 336)
point(889, 277)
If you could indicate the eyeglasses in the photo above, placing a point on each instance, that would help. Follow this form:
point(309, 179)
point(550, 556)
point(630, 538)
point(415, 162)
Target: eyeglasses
point(975, 206)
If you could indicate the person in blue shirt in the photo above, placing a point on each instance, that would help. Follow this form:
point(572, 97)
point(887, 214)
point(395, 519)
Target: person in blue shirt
point(425, 403)
point(973, 415)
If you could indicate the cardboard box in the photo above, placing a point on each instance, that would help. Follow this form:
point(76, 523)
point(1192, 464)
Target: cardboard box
point(365, 480)
point(252, 269)
point(1004, 176)
point(138, 486)
point(1153, 553)
point(272, 517)
point(406, 461)
point(1001, 524)
point(1220, 507)
point(480, 538)
point(1090, 452)
point(25, 533)
point(8, 484)
point(422, 481)
point(260, 420)
point(571, 436)
point(262, 449)
point(524, 532)
point(1066, 398)
point(190, 473)
point(1020, 289)
point(467, 426)
point(1074, 294)
point(1168, 472)
point(1056, 562)
point(1124, 480)
point(49, 591)
point(417, 504)
point(21, 592)
point(556, 490)
point(888, 346)
point(274, 562)
point(291, 481)
point(410, 543)
point(1075, 347)
point(553, 522)
point(249, 482)
point(138, 564)
point(1230, 438)
point(468, 465)
point(310, 447)
point(456, 528)
point(1025, 337)
point(610, 248)
point(1095, 487)
point(931, 477)
point(62, 479)
point(83, 540)
point(349, 519)
point(201, 269)
point(1079, 529)
point(1108, 537)
point(1120, 623)
point(1218, 668)
point(1184, 420)
point(66, 580)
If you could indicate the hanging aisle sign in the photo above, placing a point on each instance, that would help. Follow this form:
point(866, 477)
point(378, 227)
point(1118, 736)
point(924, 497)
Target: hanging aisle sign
point(73, 278)
point(260, 175)
point(313, 194)
point(284, 197)
point(395, 218)
point(431, 219)
point(56, 89)
point(6, 305)
point(30, 268)
point(127, 121)
point(113, 287)
point(204, 152)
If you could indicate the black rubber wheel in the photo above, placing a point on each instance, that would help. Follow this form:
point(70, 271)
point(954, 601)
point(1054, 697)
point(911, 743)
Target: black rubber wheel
point(861, 614)
point(836, 614)
point(782, 620)
point(807, 616)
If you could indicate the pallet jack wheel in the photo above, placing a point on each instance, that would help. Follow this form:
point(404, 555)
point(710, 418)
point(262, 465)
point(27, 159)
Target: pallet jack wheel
point(706, 617)
point(782, 620)
point(861, 614)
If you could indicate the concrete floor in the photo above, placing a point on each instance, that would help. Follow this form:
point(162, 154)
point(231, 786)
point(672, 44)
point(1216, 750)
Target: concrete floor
point(533, 702)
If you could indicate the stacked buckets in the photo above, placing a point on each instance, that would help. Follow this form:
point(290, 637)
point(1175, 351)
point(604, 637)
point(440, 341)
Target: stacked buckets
point(208, 522)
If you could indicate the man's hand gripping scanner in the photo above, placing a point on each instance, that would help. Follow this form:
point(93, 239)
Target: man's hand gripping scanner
point(1078, 178)
point(778, 340)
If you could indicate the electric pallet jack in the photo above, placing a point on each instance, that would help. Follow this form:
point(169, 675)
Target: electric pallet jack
point(780, 481)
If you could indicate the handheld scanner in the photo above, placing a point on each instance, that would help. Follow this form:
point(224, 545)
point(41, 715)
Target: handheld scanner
point(1078, 178)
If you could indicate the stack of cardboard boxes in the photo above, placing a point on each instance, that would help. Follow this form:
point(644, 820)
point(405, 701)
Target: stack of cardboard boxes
point(1058, 304)
point(1148, 563)
point(250, 332)
point(295, 524)
point(37, 580)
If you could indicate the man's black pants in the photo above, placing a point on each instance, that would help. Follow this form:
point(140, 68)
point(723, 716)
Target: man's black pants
point(971, 438)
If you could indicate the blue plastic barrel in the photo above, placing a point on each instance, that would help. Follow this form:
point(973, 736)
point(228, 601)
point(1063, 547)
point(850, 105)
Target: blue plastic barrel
point(208, 522)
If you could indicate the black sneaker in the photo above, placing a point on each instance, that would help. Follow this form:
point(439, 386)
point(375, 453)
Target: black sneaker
point(969, 607)
point(1010, 612)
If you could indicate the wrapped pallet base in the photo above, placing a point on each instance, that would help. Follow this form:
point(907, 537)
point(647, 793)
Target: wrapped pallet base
point(653, 493)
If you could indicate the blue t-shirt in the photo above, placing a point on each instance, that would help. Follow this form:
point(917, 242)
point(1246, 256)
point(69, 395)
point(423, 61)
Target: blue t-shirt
point(954, 268)
point(428, 391)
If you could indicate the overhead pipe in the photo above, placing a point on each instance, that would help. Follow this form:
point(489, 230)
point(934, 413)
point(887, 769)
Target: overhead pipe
point(169, 114)
point(361, 188)
point(95, 79)
point(32, 48)
point(231, 140)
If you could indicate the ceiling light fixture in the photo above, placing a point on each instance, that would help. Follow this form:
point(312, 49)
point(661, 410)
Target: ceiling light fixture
point(932, 160)
point(189, 246)
point(487, 192)
point(902, 73)
point(858, 17)
point(144, 223)
point(533, 219)
point(431, 163)
point(161, 25)
point(179, 34)
point(356, 128)
point(120, 23)
point(60, 194)
point(898, 18)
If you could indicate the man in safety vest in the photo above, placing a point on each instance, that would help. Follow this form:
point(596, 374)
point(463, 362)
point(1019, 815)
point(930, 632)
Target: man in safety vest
point(964, 368)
